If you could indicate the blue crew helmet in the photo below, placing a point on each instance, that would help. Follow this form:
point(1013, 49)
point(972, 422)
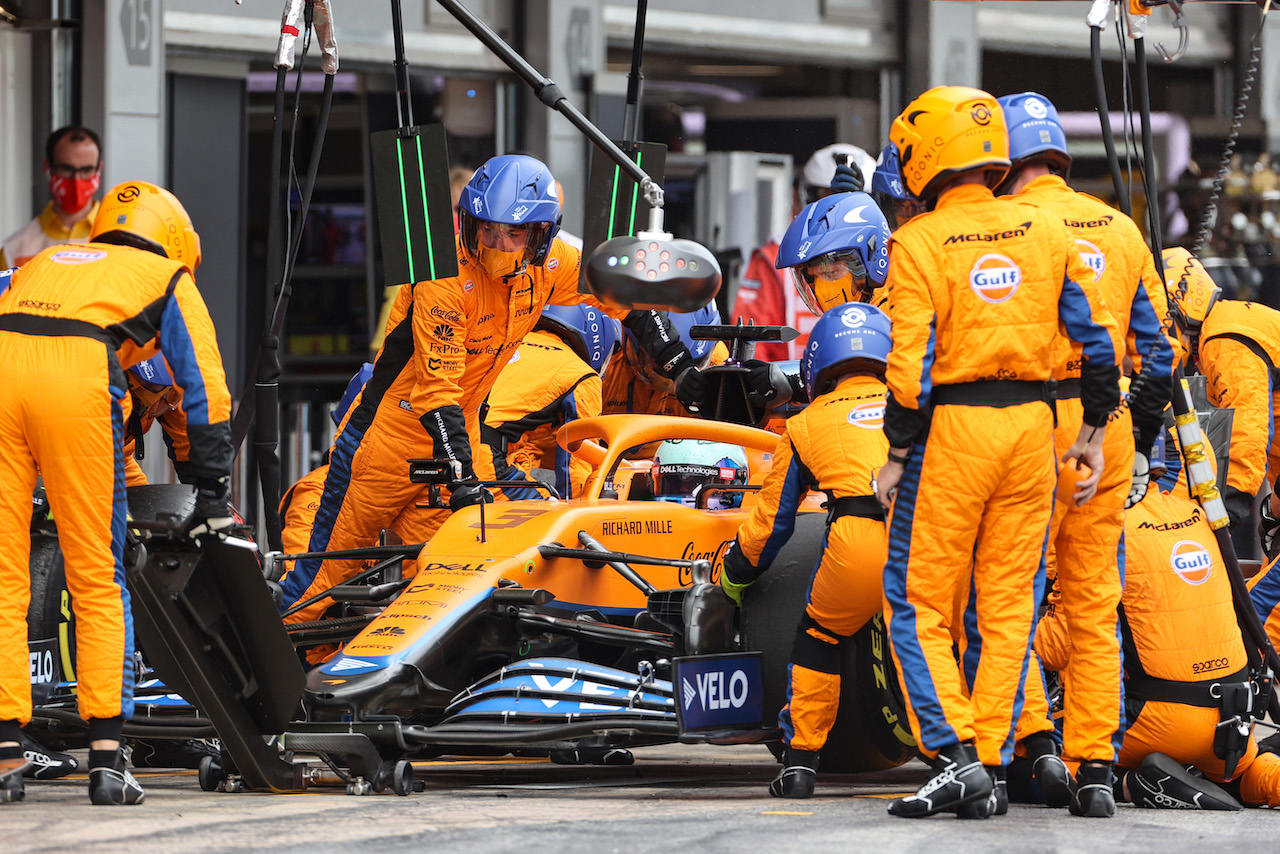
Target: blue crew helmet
point(896, 202)
point(837, 250)
point(1035, 133)
point(508, 214)
point(591, 333)
point(681, 467)
point(851, 337)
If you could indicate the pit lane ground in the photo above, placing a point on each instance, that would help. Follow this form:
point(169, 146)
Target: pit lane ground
point(674, 799)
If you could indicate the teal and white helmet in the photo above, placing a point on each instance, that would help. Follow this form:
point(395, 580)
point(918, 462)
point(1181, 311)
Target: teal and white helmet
point(682, 466)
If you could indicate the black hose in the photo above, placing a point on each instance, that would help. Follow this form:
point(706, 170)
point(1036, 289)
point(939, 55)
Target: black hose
point(1149, 180)
point(1104, 116)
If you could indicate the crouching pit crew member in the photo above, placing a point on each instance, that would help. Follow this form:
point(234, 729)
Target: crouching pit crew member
point(979, 289)
point(72, 320)
point(834, 446)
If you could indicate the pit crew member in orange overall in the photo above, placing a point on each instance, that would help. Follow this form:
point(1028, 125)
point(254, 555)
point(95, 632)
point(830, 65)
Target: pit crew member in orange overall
point(1088, 539)
point(1236, 345)
point(73, 318)
point(448, 342)
point(978, 289)
point(1185, 665)
point(835, 446)
point(154, 398)
point(553, 378)
point(633, 381)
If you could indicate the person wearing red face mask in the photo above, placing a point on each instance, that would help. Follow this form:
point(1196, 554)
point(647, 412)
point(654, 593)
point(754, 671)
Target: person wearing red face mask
point(73, 165)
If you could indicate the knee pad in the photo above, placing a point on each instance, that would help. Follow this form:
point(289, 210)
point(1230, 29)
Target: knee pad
point(817, 648)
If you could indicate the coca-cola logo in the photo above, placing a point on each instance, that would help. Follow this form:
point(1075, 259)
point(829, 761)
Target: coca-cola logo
point(446, 314)
point(698, 551)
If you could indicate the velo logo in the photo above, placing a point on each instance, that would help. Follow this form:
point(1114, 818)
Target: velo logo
point(995, 278)
point(1191, 561)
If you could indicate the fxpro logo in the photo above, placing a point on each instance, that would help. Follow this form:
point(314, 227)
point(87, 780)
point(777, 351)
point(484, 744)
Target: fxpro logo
point(1093, 256)
point(714, 692)
point(1191, 561)
point(995, 278)
point(867, 415)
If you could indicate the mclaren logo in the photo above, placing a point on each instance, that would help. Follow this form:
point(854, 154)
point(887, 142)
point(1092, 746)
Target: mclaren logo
point(995, 278)
point(990, 237)
point(1191, 561)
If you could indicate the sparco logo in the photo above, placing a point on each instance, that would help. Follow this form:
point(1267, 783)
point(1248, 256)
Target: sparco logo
point(1092, 256)
point(990, 237)
point(446, 314)
point(995, 278)
point(1191, 561)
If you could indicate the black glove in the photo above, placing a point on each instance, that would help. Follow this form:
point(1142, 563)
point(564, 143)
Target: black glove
point(770, 386)
point(661, 340)
point(468, 494)
point(691, 389)
point(212, 512)
point(848, 179)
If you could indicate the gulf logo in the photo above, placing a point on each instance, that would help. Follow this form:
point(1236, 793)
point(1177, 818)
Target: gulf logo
point(995, 278)
point(552, 263)
point(78, 256)
point(1191, 561)
point(867, 415)
point(1092, 256)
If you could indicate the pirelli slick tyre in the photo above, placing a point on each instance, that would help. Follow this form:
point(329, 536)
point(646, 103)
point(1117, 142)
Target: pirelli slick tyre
point(871, 731)
point(50, 624)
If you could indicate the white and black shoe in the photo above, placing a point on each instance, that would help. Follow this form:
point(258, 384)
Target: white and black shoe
point(1049, 771)
point(1164, 783)
point(113, 785)
point(961, 780)
point(45, 764)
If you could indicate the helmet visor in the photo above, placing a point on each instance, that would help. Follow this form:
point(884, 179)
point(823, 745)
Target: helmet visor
point(681, 480)
point(830, 280)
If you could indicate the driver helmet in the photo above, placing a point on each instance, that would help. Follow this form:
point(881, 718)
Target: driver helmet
point(683, 321)
point(820, 169)
point(683, 466)
point(893, 198)
point(837, 250)
point(508, 215)
point(152, 382)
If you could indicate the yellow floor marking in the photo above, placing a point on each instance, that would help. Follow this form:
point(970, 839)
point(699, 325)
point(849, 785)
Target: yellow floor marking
point(784, 812)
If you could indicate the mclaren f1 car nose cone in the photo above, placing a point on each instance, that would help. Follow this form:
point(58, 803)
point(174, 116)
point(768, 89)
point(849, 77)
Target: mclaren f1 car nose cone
point(651, 271)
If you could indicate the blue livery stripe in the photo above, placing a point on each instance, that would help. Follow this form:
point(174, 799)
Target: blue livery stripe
point(1077, 317)
point(784, 521)
point(180, 352)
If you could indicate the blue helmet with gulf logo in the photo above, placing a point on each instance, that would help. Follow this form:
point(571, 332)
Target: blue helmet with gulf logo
point(513, 191)
point(1035, 133)
point(591, 333)
point(851, 337)
point(837, 250)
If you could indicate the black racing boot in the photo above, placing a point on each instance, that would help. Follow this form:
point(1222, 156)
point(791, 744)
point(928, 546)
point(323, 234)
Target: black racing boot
point(110, 783)
point(961, 779)
point(1049, 771)
point(593, 756)
point(1093, 797)
point(997, 803)
point(795, 780)
point(1164, 783)
point(45, 764)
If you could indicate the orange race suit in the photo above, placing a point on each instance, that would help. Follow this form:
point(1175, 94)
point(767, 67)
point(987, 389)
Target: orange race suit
point(1182, 644)
point(979, 289)
point(625, 392)
point(449, 339)
point(543, 386)
point(835, 445)
point(143, 408)
point(1086, 543)
point(74, 317)
point(1239, 352)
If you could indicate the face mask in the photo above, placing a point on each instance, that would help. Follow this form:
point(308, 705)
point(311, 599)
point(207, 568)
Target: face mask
point(499, 264)
point(73, 194)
